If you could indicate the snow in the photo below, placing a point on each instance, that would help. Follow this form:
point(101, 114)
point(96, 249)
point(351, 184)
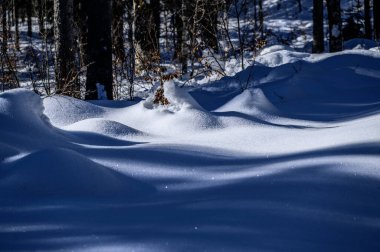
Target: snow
point(289, 164)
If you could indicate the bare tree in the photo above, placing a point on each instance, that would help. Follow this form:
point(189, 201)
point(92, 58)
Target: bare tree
point(367, 19)
point(66, 71)
point(335, 25)
point(318, 38)
point(376, 19)
point(99, 50)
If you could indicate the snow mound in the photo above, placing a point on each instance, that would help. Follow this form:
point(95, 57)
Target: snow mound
point(179, 99)
point(21, 110)
point(359, 43)
point(103, 126)
point(63, 173)
point(279, 55)
point(250, 102)
point(182, 116)
point(63, 110)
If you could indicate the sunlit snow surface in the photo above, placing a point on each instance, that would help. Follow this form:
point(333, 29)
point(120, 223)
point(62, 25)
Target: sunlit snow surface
point(290, 165)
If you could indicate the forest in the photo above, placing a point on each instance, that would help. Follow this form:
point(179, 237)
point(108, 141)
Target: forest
point(70, 46)
point(189, 125)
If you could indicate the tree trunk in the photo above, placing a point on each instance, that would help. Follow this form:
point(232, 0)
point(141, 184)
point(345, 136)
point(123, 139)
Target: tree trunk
point(147, 25)
point(66, 72)
point(299, 2)
point(261, 18)
point(40, 10)
point(131, 55)
point(99, 50)
point(376, 19)
point(335, 25)
point(318, 38)
point(29, 13)
point(4, 44)
point(367, 19)
point(80, 17)
point(209, 23)
point(16, 17)
point(118, 11)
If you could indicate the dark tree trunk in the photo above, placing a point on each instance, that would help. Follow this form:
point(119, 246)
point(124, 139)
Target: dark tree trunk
point(99, 50)
point(4, 44)
point(118, 11)
point(131, 55)
point(147, 25)
point(16, 11)
point(156, 8)
point(80, 17)
point(29, 13)
point(180, 35)
point(40, 10)
point(376, 19)
point(66, 72)
point(335, 25)
point(255, 13)
point(299, 2)
point(367, 19)
point(209, 24)
point(261, 18)
point(318, 38)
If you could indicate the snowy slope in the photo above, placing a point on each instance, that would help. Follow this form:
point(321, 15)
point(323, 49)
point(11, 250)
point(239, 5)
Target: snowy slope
point(289, 165)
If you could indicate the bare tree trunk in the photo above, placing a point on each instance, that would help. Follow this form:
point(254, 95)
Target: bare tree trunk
point(99, 50)
point(131, 55)
point(367, 19)
point(335, 25)
point(4, 44)
point(66, 72)
point(80, 16)
point(16, 17)
point(318, 38)
point(118, 11)
point(29, 13)
point(40, 9)
point(299, 2)
point(376, 19)
point(209, 22)
point(261, 18)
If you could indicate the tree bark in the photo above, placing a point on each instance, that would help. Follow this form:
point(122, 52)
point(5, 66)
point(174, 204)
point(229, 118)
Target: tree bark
point(261, 18)
point(4, 44)
point(318, 38)
point(367, 19)
point(376, 19)
point(16, 17)
point(147, 25)
point(335, 25)
point(66, 72)
point(131, 55)
point(99, 50)
point(118, 11)
point(29, 13)
point(209, 24)
point(40, 9)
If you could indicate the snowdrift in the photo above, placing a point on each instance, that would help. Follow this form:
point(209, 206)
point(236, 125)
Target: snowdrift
point(64, 174)
point(289, 164)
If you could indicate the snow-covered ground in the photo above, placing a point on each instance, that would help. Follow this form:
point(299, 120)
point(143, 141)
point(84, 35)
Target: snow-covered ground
point(291, 164)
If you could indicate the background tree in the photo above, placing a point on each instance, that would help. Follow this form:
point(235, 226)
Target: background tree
point(367, 19)
point(376, 19)
point(66, 72)
point(335, 25)
point(4, 9)
point(99, 50)
point(318, 38)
